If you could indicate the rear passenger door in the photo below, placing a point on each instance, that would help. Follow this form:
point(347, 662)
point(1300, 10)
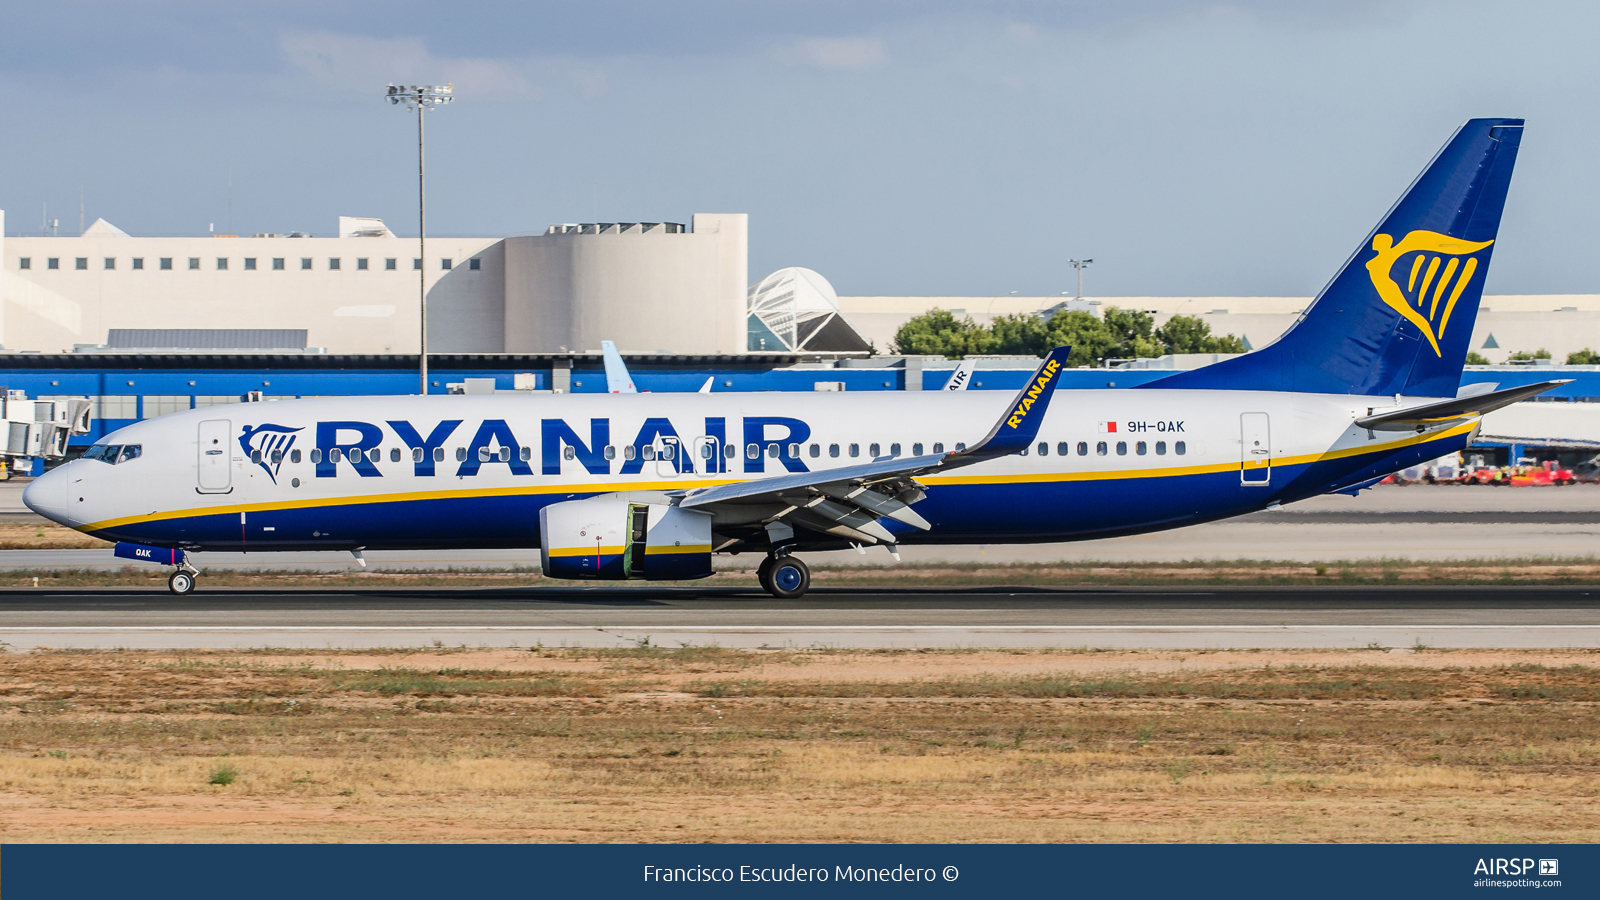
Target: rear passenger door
point(1255, 462)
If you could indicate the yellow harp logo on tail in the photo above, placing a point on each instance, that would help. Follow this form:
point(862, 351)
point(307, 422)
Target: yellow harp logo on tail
point(1423, 302)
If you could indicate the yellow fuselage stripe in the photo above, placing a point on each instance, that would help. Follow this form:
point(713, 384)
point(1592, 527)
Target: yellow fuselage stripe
point(606, 488)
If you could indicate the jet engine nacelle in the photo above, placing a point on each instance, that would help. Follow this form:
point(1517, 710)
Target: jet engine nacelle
point(614, 538)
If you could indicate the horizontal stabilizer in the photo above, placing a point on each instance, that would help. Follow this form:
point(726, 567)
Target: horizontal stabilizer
point(1429, 415)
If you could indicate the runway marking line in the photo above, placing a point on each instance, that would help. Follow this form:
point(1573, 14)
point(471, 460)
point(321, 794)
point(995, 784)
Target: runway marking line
point(998, 629)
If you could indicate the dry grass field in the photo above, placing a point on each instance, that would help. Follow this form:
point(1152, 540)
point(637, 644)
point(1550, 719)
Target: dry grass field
point(704, 744)
point(38, 534)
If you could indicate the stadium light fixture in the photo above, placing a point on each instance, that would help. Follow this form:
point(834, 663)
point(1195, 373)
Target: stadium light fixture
point(1079, 264)
point(422, 97)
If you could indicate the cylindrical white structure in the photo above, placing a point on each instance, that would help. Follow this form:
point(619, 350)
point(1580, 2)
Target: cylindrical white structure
point(645, 287)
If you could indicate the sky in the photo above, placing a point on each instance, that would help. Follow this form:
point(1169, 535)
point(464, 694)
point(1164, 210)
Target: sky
point(899, 148)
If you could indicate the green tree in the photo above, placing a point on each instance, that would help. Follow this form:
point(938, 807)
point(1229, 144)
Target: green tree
point(1191, 334)
point(1541, 353)
point(1135, 333)
point(939, 332)
point(1584, 357)
point(1474, 358)
point(1020, 333)
point(1090, 338)
point(1119, 334)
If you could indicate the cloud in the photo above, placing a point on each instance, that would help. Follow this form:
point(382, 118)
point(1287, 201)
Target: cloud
point(350, 62)
point(836, 53)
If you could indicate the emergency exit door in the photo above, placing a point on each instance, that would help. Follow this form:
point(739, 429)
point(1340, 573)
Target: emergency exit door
point(669, 455)
point(707, 458)
point(214, 464)
point(1255, 432)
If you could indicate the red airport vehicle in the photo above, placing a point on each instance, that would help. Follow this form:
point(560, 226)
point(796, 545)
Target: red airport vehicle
point(1549, 473)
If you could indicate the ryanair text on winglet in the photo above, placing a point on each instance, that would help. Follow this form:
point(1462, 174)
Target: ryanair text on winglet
point(1039, 385)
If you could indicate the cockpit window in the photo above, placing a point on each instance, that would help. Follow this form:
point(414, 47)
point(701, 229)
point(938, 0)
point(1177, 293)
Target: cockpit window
point(112, 454)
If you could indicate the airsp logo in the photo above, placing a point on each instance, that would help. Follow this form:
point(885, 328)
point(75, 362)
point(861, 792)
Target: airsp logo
point(1501, 866)
point(1420, 301)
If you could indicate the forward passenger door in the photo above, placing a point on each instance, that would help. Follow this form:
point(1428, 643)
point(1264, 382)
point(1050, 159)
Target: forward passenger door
point(215, 463)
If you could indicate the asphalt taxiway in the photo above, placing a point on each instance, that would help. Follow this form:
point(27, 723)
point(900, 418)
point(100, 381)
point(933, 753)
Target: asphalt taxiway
point(1412, 522)
point(623, 616)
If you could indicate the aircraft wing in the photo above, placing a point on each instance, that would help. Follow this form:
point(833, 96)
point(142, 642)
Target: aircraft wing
point(1428, 415)
point(848, 501)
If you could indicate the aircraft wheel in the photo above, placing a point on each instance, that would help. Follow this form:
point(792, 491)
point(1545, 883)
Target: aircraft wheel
point(764, 574)
point(181, 583)
point(789, 579)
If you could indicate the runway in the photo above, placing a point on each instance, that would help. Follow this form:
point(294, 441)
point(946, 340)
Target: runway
point(1413, 522)
point(627, 616)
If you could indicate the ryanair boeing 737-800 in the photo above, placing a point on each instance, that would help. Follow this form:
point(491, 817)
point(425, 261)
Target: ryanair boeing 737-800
point(652, 486)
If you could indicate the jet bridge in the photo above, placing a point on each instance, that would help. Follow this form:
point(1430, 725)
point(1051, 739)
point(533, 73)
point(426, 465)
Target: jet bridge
point(39, 429)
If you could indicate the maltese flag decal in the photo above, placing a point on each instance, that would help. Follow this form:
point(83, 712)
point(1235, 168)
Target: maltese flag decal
point(1108, 428)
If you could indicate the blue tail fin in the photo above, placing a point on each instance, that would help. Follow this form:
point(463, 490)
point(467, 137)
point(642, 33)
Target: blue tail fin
point(1398, 317)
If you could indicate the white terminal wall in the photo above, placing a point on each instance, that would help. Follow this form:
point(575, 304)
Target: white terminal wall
point(346, 310)
point(645, 290)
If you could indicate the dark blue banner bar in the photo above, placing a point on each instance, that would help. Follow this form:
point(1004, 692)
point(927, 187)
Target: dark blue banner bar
point(350, 872)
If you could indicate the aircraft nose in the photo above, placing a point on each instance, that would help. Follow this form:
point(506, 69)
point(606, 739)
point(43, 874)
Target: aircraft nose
point(47, 496)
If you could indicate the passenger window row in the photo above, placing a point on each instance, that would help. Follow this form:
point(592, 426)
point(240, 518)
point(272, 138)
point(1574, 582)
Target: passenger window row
point(356, 455)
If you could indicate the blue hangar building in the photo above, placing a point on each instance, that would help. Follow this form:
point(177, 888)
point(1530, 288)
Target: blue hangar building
point(132, 386)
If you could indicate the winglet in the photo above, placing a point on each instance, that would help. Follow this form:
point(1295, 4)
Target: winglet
point(1020, 424)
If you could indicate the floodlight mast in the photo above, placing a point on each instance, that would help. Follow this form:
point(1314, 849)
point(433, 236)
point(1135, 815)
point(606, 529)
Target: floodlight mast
point(1079, 264)
point(422, 97)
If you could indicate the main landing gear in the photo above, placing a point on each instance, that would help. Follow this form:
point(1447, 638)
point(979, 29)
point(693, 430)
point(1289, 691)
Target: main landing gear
point(182, 581)
point(784, 576)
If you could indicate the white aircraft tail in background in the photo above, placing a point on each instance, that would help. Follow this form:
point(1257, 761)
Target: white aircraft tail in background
point(962, 376)
point(618, 381)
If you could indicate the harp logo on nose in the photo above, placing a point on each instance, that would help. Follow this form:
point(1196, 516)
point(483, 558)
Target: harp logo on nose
point(1429, 295)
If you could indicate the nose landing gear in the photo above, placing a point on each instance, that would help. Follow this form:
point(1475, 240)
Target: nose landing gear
point(182, 581)
point(784, 577)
